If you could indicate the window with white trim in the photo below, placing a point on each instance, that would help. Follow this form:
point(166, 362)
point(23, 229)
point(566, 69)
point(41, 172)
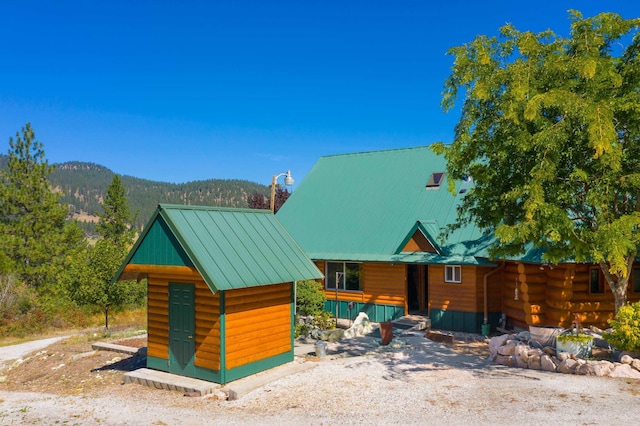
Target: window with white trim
point(345, 274)
point(452, 274)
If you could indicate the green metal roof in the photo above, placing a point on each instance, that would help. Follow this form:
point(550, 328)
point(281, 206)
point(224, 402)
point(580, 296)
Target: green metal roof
point(230, 248)
point(363, 206)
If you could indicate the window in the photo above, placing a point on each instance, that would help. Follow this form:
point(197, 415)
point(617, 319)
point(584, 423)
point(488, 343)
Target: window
point(435, 180)
point(636, 280)
point(596, 281)
point(345, 274)
point(452, 274)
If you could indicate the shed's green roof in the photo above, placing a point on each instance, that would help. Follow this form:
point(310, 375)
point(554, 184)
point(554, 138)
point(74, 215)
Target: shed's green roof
point(364, 206)
point(230, 248)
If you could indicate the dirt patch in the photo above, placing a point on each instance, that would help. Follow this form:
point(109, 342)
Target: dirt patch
point(70, 367)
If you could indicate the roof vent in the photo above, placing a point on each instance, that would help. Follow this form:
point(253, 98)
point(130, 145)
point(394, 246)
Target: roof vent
point(435, 180)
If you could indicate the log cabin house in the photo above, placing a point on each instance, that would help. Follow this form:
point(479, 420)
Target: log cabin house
point(220, 290)
point(373, 223)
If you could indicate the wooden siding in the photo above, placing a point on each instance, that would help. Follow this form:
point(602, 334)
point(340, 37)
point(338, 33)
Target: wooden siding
point(382, 283)
point(554, 295)
point(258, 323)
point(462, 296)
point(418, 242)
point(207, 327)
point(158, 317)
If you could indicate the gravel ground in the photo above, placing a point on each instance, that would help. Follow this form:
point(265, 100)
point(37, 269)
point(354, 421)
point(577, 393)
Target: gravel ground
point(412, 381)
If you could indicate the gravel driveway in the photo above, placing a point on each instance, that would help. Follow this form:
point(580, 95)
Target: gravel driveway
point(20, 350)
point(413, 381)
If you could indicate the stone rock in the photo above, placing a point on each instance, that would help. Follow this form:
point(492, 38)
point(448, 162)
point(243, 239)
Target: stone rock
point(522, 351)
point(626, 371)
point(595, 368)
point(599, 342)
point(524, 336)
point(631, 354)
point(495, 343)
point(626, 359)
point(505, 360)
point(547, 364)
point(568, 366)
point(508, 349)
point(636, 364)
point(535, 360)
point(563, 356)
point(550, 351)
point(332, 335)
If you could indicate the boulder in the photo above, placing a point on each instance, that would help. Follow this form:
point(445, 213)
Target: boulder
point(636, 364)
point(508, 349)
point(595, 368)
point(626, 371)
point(522, 351)
point(495, 343)
point(506, 360)
point(626, 359)
point(535, 360)
point(568, 366)
point(547, 364)
point(332, 335)
point(563, 356)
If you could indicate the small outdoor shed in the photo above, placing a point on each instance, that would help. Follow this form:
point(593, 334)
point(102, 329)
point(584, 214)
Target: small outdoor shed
point(221, 290)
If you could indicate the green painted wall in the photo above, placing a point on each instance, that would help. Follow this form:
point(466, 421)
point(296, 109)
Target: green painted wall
point(469, 322)
point(160, 247)
point(375, 312)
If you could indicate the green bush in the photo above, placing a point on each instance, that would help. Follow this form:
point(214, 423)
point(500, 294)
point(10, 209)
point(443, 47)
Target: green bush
point(625, 334)
point(310, 297)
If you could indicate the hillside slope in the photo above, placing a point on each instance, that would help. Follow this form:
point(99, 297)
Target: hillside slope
point(84, 184)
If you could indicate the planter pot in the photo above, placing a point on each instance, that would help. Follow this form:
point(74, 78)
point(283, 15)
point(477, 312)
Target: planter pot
point(578, 348)
point(386, 332)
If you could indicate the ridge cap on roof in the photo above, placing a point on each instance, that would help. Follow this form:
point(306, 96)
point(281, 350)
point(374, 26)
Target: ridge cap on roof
point(377, 151)
point(211, 208)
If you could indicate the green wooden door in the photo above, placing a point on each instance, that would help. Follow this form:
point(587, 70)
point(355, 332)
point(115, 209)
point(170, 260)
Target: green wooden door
point(182, 329)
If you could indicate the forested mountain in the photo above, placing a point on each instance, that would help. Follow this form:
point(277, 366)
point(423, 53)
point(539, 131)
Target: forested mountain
point(84, 184)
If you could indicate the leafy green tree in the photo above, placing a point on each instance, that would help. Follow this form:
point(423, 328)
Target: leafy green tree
point(95, 285)
point(34, 235)
point(550, 132)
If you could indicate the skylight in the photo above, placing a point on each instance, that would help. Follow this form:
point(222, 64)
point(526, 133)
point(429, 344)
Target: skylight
point(435, 180)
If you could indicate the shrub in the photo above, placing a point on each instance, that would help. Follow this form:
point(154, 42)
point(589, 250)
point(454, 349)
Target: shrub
point(625, 334)
point(310, 297)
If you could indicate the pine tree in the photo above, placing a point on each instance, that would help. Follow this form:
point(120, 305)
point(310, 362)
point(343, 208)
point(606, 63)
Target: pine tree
point(116, 219)
point(34, 235)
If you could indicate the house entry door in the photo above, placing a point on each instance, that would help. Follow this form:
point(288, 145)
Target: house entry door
point(182, 329)
point(417, 288)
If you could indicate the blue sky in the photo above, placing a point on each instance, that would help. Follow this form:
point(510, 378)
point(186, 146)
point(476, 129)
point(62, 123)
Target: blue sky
point(187, 90)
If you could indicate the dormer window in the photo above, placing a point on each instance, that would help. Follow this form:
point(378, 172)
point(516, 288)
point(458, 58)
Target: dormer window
point(435, 180)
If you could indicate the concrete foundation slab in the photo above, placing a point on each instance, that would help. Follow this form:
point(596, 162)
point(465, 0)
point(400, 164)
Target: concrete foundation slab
point(162, 380)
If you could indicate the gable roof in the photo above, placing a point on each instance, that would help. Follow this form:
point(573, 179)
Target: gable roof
point(365, 206)
point(230, 248)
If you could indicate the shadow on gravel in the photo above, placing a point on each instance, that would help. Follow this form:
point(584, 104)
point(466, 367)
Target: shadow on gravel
point(408, 354)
